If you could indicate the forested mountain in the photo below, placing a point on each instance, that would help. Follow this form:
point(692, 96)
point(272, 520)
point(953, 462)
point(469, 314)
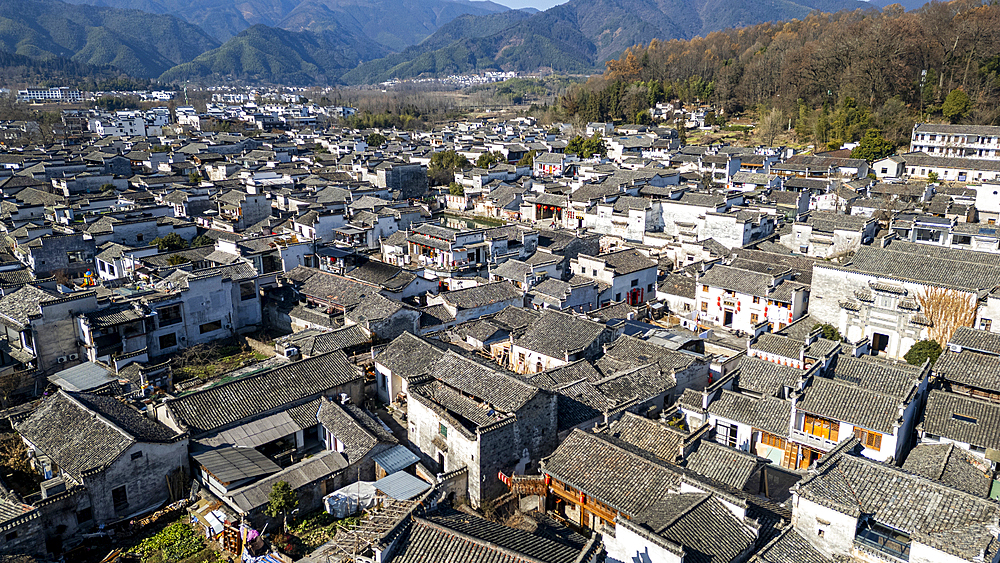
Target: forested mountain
point(395, 23)
point(833, 76)
point(138, 43)
point(268, 54)
point(581, 34)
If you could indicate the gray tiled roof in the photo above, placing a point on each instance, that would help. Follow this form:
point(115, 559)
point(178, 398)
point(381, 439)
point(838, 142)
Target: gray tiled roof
point(502, 391)
point(962, 419)
point(519, 541)
point(976, 340)
point(612, 474)
point(769, 414)
point(846, 402)
point(766, 378)
point(738, 280)
point(627, 261)
point(557, 334)
point(82, 432)
point(707, 530)
point(409, 355)
point(283, 387)
point(628, 352)
point(465, 538)
point(660, 439)
point(898, 380)
point(22, 304)
point(481, 295)
point(778, 345)
point(969, 368)
point(724, 464)
point(232, 464)
point(354, 427)
point(928, 264)
point(933, 514)
point(950, 465)
point(790, 547)
point(308, 471)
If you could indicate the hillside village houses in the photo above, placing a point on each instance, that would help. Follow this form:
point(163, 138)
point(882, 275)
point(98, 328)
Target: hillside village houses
point(657, 353)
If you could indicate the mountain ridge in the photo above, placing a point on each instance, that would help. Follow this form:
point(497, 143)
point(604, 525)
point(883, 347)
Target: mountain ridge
point(137, 43)
point(581, 35)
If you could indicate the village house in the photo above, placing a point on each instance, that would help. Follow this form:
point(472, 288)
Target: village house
point(882, 292)
point(117, 464)
point(866, 524)
point(630, 274)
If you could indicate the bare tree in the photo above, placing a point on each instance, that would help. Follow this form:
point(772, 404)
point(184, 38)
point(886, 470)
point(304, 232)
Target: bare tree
point(947, 309)
point(770, 126)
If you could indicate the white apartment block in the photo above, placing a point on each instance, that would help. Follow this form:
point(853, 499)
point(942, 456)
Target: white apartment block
point(62, 94)
point(961, 141)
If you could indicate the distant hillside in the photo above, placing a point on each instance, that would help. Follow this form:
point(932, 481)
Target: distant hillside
point(581, 34)
point(395, 23)
point(19, 69)
point(450, 49)
point(908, 4)
point(268, 54)
point(137, 43)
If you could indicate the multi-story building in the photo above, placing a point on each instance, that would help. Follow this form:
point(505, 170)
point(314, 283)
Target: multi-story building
point(961, 141)
point(60, 94)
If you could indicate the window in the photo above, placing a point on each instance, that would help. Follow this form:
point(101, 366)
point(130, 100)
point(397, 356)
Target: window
point(704, 306)
point(753, 318)
point(168, 340)
point(870, 440)
point(119, 498)
point(136, 455)
point(247, 291)
point(85, 515)
point(649, 288)
point(210, 327)
point(820, 532)
point(635, 283)
point(169, 315)
point(965, 418)
point(726, 434)
point(756, 300)
point(704, 288)
point(138, 237)
point(443, 430)
point(76, 256)
point(773, 441)
point(985, 324)
point(822, 428)
point(11, 536)
point(618, 297)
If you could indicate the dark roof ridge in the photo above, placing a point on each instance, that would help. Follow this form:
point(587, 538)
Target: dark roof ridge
point(698, 502)
point(485, 543)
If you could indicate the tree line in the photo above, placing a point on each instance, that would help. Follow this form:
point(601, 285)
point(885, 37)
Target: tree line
point(831, 76)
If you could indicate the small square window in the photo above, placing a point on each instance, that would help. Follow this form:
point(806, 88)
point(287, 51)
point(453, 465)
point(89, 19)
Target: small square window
point(443, 430)
point(820, 532)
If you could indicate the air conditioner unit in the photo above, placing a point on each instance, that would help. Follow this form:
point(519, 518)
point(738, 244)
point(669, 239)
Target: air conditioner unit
point(61, 359)
point(74, 357)
point(291, 352)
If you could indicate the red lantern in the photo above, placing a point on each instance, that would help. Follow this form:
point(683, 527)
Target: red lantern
point(582, 498)
point(718, 301)
point(765, 310)
point(548, 480)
